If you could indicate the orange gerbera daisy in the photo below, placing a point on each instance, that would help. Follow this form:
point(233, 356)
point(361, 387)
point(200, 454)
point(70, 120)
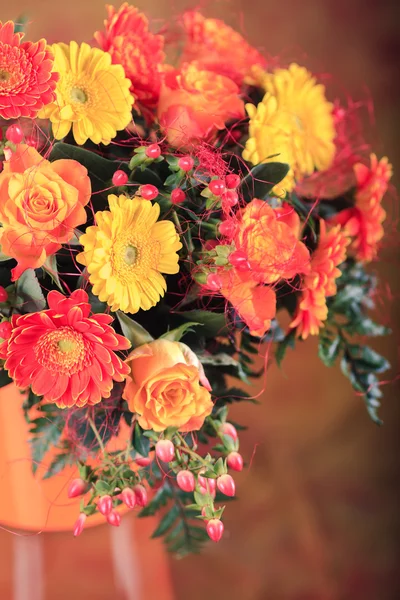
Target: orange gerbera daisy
point(363, 222)
point(320, 281)
point(219, 48)
point(64, 353)
point(128, 39)
point(26, 79)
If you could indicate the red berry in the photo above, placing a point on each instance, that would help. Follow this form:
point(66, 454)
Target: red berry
point(105, 505)
point(229, 429)
point(141, 495)
point(3, 294)
point(177, 196)
point(215, 529)
point(186, 163)
point(15, 134)
point(32, 141)
point(216, 187)
point(232, 181)
point(226, 485)
point(207, 482)
point(148, 191)
point(79, 524)
point(114, 518)
point(165, 450)
point(186, 481)
point(238, 259)
point(142, 461)
point(119, 178)
point(235, 461)
point(210, 244)
point(153, 151)
point(77, 487)
point(214, 282)
point(227, 228)
point(230, 198)
point(5, 330)
point(128, 496)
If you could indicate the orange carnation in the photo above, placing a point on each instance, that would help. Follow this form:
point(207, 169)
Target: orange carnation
point(320, 281)
point(195, 103)
point(26, 79)
point(40, 205)
point(164, 389)
point(270, 240)
point(219, 48)
point(64, 353)
point(363, 222)
point(128, 39)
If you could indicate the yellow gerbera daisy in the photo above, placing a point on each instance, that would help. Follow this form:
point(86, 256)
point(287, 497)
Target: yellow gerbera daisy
point(92, 95)
point(126, 252)
point(298, 124)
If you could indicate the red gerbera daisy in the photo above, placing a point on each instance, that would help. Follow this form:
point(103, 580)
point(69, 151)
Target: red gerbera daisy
point(26, 79)
point(65, 354)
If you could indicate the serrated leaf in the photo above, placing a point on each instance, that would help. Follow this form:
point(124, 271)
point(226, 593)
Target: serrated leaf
point(136, 334)
point(59, 462)
point(159, 500)
point(29, 289)
point(329, 349)
point(175, 335)
point(45, 438)
point(261, 179)
point(288, 342)
point(166, 522)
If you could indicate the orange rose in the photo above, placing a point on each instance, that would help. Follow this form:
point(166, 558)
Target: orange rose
point(194, 104)
point(40, 205)
point(219, 48)
point(164, 389)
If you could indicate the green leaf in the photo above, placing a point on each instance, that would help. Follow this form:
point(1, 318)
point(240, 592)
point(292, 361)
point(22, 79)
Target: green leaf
point(136, 334)
point(140, 442)
point(20, 24)
point(329, 347)
point(29, 289)
point(159, 500)
point(214, 323)
point(50, 267)
point(4, 378)
point(59, 462)
point(102, 487)
point(366, 326)
point(261, 179)
point(175, 335)
point(288, 342)
point(166, 522)
point(47, 436)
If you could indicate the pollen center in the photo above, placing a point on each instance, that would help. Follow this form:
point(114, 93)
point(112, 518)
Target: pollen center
point(62, 351)
point(130, 255)
point(78, 95)
point(4, 76)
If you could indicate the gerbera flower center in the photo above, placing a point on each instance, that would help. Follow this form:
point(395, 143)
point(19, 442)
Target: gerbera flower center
point(78, 95)
point(62, 351)
point(4, 75)
point(131, 254)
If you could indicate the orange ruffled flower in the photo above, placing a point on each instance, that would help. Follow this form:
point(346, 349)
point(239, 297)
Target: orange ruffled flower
point(41, 203)
point(26, 79)
point(219, 48)
point(195, 103)
point(320, 281)
point(128, 39)
point(364, 221)
point(64, 353)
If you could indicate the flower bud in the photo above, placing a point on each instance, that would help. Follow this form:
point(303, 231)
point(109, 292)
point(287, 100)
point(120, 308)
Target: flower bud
point(215, 529)
point(232, 181)
point(142, 461)
point(141, 495)
point(177, 196)
point(128, 497)
point(226, 485)
point(207, 482)
point(3, 294)
point(229, 429)
point(214, 282)
point(227, 228)
point(235, 461)
point(148, 191)
point(186, 481)
point(186, 163)
point(165, 450)
point(119, 178)
point(238, 259)
point(79, 524)
point(114, 518)
point(105, 505)
point(77, 487)
point(230, 199)
point(216, 187)
point(15, 134)
point(153, 151)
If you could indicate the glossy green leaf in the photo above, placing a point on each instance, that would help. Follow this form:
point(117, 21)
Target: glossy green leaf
point(261, 179)
point(136, 334)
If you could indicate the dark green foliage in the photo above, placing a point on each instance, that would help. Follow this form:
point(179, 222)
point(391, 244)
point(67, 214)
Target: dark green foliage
point(259, 182)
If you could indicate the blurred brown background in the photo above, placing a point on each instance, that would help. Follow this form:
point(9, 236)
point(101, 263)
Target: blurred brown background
point(317, 517)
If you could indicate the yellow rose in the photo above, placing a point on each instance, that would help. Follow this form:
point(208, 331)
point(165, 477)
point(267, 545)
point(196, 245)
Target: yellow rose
point(164, 387)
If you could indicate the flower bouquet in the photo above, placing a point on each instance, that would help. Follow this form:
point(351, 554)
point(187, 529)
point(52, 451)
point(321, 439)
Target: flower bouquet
point(162, 227)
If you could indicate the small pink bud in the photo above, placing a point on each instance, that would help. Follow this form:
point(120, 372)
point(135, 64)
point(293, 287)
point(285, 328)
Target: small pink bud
point(128, 497)
point(229, 429)
point(217, 187)
point(79, 524)
point(214, 282)
point(148, 191)
point(227, 228)
point(15, 134)
point(105, 505)
point(142, 461)
point(114, 518)
point(238, 259)
point(141, 495)
point(226, 485)
point(177, 196)
point(186, 481)
point(215, 529)
point(235, 461)
point(232, 181)
point(165, 450)
point(203, 512)
point(153, 151)
point(119, 178)
point(204, 491)
point(207, 482)
point(186, 163)
point(77, 487)
point(5, 330)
